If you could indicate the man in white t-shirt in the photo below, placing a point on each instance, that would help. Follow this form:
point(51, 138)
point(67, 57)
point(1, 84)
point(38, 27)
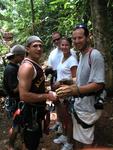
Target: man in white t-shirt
point(90, 79)
point(56, 53)
point(53, 61)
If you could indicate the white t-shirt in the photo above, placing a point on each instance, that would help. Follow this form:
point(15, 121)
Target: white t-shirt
point(64, 69)
point(89, 74)
point(56, 56)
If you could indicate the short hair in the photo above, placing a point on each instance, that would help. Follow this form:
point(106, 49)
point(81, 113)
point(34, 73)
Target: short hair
point(82, 26)
point(57, 32)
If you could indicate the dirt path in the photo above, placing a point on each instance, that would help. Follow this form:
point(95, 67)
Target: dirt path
point(103, 134)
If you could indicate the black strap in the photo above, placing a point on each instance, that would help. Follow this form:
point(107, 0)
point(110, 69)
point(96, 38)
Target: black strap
point(90, 57)
point(83, 124)
point(72, 110)
point(86, 94)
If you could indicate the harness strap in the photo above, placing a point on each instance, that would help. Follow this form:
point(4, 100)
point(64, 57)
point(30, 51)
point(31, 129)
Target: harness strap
point(79, 121)
point(72, 110)
point(90, 57)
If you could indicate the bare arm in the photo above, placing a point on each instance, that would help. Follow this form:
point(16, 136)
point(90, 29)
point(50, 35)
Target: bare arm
point(76, 91)
point(73, 71)
point(91, 87)
point(25, 75)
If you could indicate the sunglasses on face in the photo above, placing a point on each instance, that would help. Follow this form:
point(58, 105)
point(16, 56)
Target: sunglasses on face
point(56, 39)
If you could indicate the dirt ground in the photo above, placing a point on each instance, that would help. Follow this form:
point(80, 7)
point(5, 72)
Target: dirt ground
point(103, 132)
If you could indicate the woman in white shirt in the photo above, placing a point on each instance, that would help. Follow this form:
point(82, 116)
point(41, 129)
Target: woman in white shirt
point(66, 72)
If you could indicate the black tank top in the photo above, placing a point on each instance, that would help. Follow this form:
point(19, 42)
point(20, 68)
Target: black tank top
point(38, 83)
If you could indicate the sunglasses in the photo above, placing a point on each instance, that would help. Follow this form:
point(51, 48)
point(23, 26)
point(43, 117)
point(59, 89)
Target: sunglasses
point(82, 26)
point(56, 39)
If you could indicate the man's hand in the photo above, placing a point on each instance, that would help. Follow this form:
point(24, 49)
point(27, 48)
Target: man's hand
point(63, 91)
point(52, 96)
point(67, 90)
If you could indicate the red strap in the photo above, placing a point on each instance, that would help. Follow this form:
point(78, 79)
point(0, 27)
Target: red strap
point(17, 112)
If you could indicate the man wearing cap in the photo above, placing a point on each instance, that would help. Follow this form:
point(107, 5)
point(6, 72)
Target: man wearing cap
point(32, 92)
point(10, 83)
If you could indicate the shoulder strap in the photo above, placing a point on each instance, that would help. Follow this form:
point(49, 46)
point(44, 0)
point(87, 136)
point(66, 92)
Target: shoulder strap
point(90, 57)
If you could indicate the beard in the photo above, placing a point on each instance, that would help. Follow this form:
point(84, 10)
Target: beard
point(83, 48)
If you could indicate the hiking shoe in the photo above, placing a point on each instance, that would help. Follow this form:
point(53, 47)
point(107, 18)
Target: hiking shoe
point(67, 146)
point(59, 129)
point(60, 139)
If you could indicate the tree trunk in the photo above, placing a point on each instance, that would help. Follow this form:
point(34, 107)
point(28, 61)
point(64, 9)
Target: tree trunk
point(101, 35)
point(33, 16)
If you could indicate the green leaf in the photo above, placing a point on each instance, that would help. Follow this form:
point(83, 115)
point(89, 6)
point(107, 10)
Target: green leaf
point(5, 18)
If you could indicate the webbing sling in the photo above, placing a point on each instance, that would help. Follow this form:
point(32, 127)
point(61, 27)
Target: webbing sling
point(79, 121)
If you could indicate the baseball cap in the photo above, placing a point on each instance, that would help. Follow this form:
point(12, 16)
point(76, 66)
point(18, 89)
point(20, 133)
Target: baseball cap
point(16, 50)
point(32, 39)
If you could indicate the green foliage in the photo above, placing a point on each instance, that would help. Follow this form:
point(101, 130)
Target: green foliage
point(50, 15)
point(2, 67)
